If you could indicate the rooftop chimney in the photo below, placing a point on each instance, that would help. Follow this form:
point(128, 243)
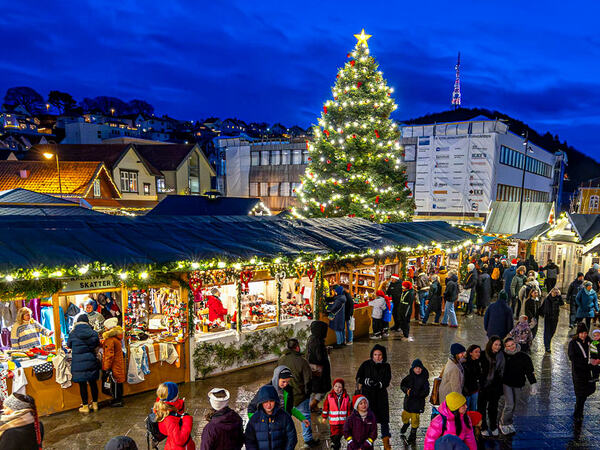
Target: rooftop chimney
point(23, 173)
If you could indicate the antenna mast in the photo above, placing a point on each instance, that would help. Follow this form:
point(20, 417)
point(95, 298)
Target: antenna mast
point(456, 97)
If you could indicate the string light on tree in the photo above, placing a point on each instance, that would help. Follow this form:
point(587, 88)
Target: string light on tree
point(355, 165)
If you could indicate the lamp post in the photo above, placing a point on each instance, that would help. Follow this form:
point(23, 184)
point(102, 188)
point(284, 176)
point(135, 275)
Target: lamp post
point(50, 156)
point(527, 150)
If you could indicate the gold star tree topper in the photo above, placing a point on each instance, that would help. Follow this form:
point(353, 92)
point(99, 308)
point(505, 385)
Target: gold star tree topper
point(362, 38)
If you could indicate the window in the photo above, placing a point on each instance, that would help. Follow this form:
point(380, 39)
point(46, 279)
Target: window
point(264, 189)
point(295, 186)
point(273, 189)
point(594, 202)
point(254, 158)
point(129, 181)
point(276, 157)
point(160, 185)
point(304, 156)
point(410, 152)
point(146, 188)
point(254, 189)
point(264, 158)
point(506, 193)
point(285, 157)
point(99, 134)
point(296, 156)
point(515, 159)
point(97, 192)
point(194, 174)
point(284, 189)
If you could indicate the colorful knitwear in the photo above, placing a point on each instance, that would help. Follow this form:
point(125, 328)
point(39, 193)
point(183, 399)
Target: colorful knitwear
point(27, 335)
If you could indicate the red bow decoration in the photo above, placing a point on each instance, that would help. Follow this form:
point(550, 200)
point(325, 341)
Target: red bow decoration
point(310, 273)
point(245, 277)
point(377, 134)
point(377, 199)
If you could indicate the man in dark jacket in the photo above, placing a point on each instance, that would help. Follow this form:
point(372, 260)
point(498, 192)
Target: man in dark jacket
point(470, 283)
point(270, 428)
point(318, 358)
point(224, 428)
point(594, 276)
point(450, 297)
point(394, 290)
point(336, 310)
point(552, 272)
point(403, 309)
point(498, 319)
point(508, 275)
point(571, 296)
point(301, 383)
point(484, 290)
point(348, 314)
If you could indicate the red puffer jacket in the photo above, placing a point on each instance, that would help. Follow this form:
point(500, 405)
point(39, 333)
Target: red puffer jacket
point(178, 429)
point(215, 309)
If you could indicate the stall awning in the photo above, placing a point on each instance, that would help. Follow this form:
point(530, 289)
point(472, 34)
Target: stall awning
point(531, 233)
point(503, 218)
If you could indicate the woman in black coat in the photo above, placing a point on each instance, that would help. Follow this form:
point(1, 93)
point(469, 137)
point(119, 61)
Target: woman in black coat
point(434, 299)
point(85, 366)
point(550, 309)
point(581, 369)
point(472, 370)
point(318, 358)
point(484, 290)
point(492, 368)
point(372, 379)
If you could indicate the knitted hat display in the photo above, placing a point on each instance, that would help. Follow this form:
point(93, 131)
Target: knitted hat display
point(406, 285)
point(395, 276)
point(218, 402)
point(111, 323)
point(457, 348)
point(358, 398)
point(173, 390)
point(454, 401)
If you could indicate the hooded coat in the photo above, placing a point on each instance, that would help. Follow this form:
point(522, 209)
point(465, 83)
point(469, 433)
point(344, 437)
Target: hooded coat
point(360, 433)
point(453, 378)
point(436, 426)
point(550, 308)
point(112, 356)
point(418, 385)
point(375, 379)
point(316, 353)
point(451, 292)
point(301, 383)
point(336, 309)
point(587, 303)
point(498, 319)
point(215, 308)
point(224, 430)
point(484, 290)
point(435, 297)
point(83, 341)
point(594, 276)
point(581, 369)
point(286, 397)
point(177, 426)
point(508, 276)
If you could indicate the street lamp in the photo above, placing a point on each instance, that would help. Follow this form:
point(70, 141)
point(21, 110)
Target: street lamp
point(527, 149)
point(50, 156)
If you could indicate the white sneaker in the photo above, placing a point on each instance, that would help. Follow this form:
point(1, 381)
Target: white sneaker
point(495, 433)
point(486, 433)
point(374, 337)
point(504, 429)
point(512, 428)
point(349, 343)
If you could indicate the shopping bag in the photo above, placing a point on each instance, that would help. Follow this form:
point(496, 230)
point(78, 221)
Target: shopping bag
point(387, 314)
point(464, 296)
point(108, 383)
point(352, 323)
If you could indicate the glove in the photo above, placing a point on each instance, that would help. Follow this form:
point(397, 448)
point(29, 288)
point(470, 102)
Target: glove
point(534, 389)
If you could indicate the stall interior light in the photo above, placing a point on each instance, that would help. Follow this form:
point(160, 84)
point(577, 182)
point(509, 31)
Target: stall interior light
point(123, 275)
point(9, 278)
point(144, 275)
point(36, 274)
point(195, 265)
point(83, 270)
point(221, 265)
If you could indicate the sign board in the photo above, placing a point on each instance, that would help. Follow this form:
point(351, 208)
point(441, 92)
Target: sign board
point(88, 283)
point(512, 251)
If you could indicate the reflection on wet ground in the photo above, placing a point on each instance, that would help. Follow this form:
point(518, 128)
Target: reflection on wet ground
point(544, 420)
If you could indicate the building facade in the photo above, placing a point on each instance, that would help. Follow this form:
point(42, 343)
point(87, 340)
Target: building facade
point(587, 198)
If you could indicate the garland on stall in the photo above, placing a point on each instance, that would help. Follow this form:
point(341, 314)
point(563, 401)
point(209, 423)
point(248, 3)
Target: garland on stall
point(27, 289)
point(403, 263)
point(209, 356)
point(319, 293)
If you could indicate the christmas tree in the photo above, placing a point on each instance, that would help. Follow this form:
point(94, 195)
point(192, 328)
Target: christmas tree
point(355, 167)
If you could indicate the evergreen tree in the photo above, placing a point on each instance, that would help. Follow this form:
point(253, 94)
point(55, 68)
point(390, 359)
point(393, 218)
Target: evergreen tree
point(355, 166)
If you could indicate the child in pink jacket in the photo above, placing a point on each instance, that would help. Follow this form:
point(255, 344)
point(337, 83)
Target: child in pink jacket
point(452, 419)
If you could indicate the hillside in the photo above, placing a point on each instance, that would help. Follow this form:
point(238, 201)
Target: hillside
point(580, 168)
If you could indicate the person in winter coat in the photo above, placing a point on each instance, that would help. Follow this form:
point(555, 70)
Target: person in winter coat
point(20, 428)
point(517, 283)
point(403, 309)
point(301, 384)
point(224, 429)
point(336, 312)
point(422, 286)
point(85, 368)
point(434, 299)
point(509, 274)
point(593, 275)
point(550, 309)
point(572, 292)
point(360, 430)
point(108, 307)
point(121, 443)
point(394, 290)
point(25, 332)
point(450, 297)
point(532, 264)
point(583, 370)
point(552, 272)
point(270, 428)
point(532, 310)
point(587, 303)
point(453, 375)
point(348, 314)
point(521, 333)
point(379, 305)
point(337, 407)
point(498, 319)
point(95, 319)
point(172, 419)
point(282, 376)
point(112, 357)
point(472, 371)
point(216, 311)
point(530, 284)
point(416, 389)
point(470, 283)
point(318, 358)
point(492, 368)
point(517, 367)
point(484, 290)
point(443, 275)
point(372, 379)
point(452, 419)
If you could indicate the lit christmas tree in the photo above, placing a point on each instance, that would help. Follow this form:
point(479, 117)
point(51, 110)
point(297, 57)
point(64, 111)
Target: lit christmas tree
point(355, 167)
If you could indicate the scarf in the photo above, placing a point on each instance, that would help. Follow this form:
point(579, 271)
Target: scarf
point(363, 416)
point(15, 420)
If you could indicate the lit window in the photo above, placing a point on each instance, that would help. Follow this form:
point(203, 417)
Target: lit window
point(284, 189)
point(160, 185)
point(129, 180)
point(273, 189)
point(285, 157)
point(254, 189)
point(255, 158)
point(296, 156)
point(97, 192)
point(594, 202)
point(146, 188)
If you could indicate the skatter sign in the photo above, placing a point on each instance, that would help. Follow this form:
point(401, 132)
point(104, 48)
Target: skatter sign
point(82, 284)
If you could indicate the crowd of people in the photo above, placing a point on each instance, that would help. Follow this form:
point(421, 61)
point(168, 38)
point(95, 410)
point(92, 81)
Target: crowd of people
point(465, 395)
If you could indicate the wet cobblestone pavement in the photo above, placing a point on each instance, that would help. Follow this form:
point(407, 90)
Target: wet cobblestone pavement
point(543, 422)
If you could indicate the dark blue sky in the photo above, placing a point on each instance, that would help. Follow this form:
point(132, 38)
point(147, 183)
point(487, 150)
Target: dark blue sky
point(538, 61)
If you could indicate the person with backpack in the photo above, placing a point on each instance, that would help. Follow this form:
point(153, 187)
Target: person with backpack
point(450, 296)
point(416, 389)
point(434, 300)
point(224, 430)
point(271, 428)
point(422, 285)
point(337, 407)
point(173, 422)
point(496, 276)
point(484, 290)
point(509, 274)
point(572, 292)
point(492, 368)
point(515, 287)
point(452, 419)
point(552, 273)
point(550, 309)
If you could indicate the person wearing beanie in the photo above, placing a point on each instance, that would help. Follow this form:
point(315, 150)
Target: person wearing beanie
point(508, 275)
point(25, 332)
point(372, 379)
point(583, 369)
point(172, 419)
point(20, 428)
point(450, 297)
point(572, 292)
point(85, 367)
point(113, 361)
point(403, 309)
point(121, 443)
point(379, 305)
point(360, 430)
point(224, 429)
point(595, 345)
point(416, 389)
point(453, 377)
point(470, 283)
point(517, 368)
point(270, 428)
point(337, 407)
point(394, 291)
point(96, 319)
point(593, 275)
point(587, 303)
point(336, 313)
point(550, 309)
point(498, 319)
point(434, 300)
point(451, 420)
point(450, 442)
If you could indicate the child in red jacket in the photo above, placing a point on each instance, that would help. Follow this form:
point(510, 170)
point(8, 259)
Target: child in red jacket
point(336, 408)
point(172, 419)
point(360, 430)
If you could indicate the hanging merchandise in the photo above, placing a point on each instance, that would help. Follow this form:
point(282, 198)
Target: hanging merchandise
point(245, 277)
point(195, 282)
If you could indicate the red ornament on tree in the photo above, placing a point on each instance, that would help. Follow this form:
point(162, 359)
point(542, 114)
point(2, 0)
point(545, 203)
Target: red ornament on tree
point(353, 136)
point(348, 167)
point(326, 132)
point(386, 159)
point(352, 63)
point(397, 199)
point(377, 134)
point(406, 184)
point(359, 84)
point(325, 109)
point(377, 199)
point(309, 158)
point(349, 55)
point(367, 181)
point(322, 209)
point(328, 161)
